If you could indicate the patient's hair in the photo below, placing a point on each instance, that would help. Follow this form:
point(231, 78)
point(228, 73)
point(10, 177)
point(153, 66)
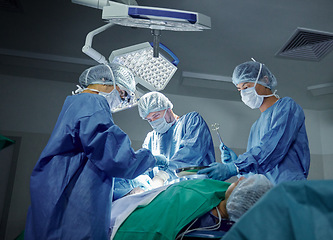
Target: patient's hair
point(246, 194)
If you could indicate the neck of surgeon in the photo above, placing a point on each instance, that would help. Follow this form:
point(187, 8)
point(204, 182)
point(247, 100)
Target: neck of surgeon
point(268, 101)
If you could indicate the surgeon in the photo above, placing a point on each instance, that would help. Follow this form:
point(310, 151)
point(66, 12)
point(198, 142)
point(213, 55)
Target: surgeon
point(184, 141)
point(181, 141)
point(278, 144)
point(71, 184)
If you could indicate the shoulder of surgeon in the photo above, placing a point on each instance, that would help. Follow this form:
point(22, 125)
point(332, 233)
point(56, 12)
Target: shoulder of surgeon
point(191, 116)
point(192, 119)
point(88, 103)
point(290, 103)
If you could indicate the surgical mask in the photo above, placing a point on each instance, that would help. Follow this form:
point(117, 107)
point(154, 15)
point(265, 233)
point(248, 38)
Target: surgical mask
point(160, 125)
point(250, 96)
point(113, 98)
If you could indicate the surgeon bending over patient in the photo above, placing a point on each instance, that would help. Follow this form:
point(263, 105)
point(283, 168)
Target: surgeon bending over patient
point(71, 184)
point(181, 141)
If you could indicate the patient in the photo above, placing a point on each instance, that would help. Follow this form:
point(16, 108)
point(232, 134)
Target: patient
point(139, 184)
point(187, 205)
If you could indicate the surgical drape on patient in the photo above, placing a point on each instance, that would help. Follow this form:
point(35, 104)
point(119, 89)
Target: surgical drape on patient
point(300, 210)
point(172, 209)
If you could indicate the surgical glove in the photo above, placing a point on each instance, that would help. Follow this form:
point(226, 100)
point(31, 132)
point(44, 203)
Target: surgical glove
point(143, 181)
point(160, 179)
point(136, 190)
point(227, 155)
point(162, 162)
point(220, 171)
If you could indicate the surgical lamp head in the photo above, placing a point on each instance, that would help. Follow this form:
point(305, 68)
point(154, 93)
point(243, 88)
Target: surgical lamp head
point(248, 72)
point(152, 73)
point(153, 102)
point(106, 74)
point(246, 194)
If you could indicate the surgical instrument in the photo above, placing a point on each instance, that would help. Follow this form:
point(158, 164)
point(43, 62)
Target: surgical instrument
point(215, 127)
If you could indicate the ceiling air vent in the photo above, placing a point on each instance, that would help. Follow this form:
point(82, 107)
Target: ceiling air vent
point(307, 44)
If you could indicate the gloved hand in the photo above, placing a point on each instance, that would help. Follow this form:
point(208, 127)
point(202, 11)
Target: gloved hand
point(227, 155)
point(162, 162)
point(160, 178)
point(143, 181)
point(220, 171)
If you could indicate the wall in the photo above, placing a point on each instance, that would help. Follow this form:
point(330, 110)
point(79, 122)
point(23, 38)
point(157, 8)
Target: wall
point(29, 109)
point(326, 122)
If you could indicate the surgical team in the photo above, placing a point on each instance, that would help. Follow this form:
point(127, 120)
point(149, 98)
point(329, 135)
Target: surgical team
point(88, 161)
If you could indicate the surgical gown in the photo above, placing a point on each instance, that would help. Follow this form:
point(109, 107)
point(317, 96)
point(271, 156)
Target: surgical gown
point(71, 183)
point(278, 144)
point(187, 143)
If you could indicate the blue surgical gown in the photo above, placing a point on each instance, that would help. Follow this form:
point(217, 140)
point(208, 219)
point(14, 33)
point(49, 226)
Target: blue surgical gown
point(278, 144)
point(187, 143)
point(71, 183)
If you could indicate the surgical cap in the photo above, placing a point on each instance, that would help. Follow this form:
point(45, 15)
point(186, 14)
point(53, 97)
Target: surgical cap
point(101, 74)
point(153, 102)
point(246, 194)
point(248, 72)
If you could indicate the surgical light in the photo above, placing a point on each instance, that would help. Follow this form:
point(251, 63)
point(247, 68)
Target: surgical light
point(151, 72)
point(156, 19)
point(151, 69)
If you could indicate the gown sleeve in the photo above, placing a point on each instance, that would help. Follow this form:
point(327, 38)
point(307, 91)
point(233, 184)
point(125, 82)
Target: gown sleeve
point(194, 144)
point(109, 148)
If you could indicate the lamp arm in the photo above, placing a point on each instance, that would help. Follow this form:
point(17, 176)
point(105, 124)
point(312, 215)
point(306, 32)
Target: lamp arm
point(87, 48)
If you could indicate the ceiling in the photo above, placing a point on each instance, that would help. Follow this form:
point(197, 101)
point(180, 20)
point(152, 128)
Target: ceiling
point(43, 39)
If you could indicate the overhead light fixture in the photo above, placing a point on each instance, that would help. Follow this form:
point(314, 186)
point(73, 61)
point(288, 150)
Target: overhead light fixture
point(205, 76)
point(151, 72)
point(203, 80)
point(321, 89)
point(156, 19)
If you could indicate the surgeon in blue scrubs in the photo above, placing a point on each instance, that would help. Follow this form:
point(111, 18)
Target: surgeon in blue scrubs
point(182, 141)
point(278, 144)
point(71, 184)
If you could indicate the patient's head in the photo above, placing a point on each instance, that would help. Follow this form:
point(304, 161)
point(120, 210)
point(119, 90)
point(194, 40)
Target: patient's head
point(244, 194)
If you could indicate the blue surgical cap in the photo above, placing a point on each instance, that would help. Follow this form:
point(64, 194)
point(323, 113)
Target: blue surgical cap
point(246, 194)
point(101, 74)
point(248, 72)
point(153, 102)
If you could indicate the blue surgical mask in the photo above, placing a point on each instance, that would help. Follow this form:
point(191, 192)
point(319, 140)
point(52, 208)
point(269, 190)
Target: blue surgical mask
point(160, 125)
point(250, 96)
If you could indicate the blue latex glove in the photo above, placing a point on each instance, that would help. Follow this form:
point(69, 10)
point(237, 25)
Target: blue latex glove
point(227, 155)
point(220, 171)
point(162, 162)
